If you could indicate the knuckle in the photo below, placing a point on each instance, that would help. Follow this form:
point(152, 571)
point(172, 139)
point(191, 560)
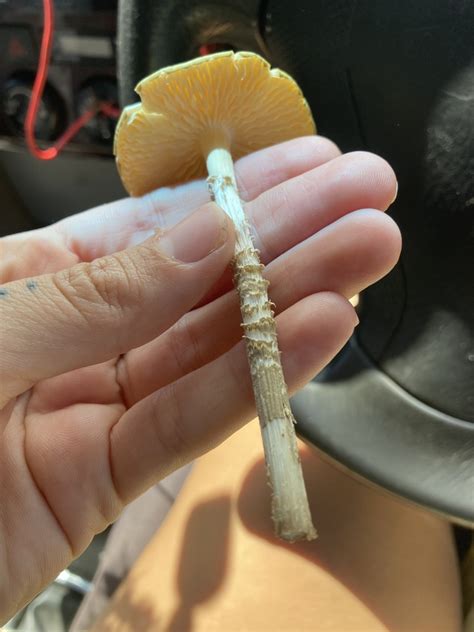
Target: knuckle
point(109, 281)
point(125, 381)
point(185, 346)
point(108, 507)
point(168, 426)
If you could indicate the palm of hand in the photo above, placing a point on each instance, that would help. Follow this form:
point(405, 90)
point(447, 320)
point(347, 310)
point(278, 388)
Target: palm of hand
point(49, 448)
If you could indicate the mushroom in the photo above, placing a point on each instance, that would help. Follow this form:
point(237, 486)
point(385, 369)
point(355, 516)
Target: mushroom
point(194, 119)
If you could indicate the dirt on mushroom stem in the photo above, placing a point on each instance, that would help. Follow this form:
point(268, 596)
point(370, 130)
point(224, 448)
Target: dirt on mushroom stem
point(290, 509)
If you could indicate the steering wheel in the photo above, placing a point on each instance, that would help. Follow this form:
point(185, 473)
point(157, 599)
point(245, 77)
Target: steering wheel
point(396, 406)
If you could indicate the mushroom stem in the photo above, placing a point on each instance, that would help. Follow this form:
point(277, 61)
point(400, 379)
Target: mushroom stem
point(290, 510)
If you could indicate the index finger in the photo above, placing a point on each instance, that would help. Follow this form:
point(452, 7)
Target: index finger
point(117, 225)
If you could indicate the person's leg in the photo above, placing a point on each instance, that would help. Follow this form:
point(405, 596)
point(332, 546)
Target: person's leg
point(128, 537)
point(378, 564)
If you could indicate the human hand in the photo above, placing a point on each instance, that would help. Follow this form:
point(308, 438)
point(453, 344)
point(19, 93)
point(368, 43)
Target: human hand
point(109, 379)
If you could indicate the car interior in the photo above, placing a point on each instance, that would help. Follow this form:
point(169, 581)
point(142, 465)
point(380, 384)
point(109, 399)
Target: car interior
point(396, 406)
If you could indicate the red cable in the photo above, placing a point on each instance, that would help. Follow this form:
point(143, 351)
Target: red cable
point(38, 86)
point(37, 92)
point(109, 110)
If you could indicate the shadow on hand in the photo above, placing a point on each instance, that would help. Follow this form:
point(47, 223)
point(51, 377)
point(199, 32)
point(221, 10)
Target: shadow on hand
point(203, 560)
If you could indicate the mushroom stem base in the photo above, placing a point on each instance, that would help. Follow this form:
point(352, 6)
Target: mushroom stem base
point(290, 510)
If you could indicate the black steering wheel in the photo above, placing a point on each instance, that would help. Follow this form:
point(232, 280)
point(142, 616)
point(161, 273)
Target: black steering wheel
point(397, 404)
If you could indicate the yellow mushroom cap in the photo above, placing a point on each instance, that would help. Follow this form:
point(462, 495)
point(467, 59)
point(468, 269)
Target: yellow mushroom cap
point(229, 100)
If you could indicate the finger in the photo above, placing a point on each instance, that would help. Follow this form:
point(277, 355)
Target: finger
point(118, 225)
point(96, 384)
point(297, 208)
point(182, 420)
point(92, 312)
point(31, 253)
point(267, 168)
point(345, 258)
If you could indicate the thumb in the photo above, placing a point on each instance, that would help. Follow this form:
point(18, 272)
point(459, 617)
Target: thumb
point(95, 311)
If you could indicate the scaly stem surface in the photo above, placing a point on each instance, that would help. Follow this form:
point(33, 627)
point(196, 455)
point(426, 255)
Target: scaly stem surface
point(290, 509)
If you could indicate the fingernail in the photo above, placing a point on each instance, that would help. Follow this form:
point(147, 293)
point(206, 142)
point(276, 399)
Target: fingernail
point(196, 236)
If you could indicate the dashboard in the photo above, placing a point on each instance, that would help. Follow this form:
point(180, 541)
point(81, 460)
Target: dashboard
point(82, 69)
